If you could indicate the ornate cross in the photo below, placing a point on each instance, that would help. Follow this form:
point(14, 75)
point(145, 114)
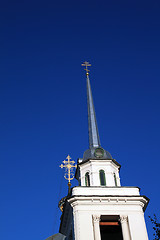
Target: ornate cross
point(68, 165)
point(86, 64)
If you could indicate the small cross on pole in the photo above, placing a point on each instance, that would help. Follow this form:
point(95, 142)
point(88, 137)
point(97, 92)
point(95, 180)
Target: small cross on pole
point(86, 64)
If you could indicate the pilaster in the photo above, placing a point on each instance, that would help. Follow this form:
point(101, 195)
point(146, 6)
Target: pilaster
point(125, 227)
point(96, 228)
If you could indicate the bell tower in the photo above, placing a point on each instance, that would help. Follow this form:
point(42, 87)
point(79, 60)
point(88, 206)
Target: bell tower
point(97, 168)
point(100, 208)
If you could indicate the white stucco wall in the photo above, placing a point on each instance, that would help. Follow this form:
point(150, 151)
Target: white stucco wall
point(94, 166)
point(137, 226)
point(89, 201)
point(104, 190)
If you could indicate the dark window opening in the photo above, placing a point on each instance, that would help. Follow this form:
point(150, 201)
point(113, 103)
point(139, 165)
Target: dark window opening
point(110, 228)
point(87, 179)
point(102, 178)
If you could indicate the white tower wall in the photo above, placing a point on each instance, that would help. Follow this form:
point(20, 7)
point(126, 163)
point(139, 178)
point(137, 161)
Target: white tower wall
point(94, 166)
point(90, 204)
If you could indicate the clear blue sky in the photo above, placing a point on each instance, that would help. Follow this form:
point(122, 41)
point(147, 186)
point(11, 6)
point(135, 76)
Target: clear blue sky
point(43, 110)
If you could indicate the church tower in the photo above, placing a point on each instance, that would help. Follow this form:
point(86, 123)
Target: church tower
point(100, 208)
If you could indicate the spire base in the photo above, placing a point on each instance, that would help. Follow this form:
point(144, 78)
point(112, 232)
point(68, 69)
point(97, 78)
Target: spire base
point(96, 153)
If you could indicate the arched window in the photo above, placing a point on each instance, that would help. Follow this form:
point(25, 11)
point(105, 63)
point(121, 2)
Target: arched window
point(102, 178)
point(87, 179)
point(115, 179)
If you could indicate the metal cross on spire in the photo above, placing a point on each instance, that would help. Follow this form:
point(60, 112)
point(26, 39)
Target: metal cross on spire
point(69, 174)
point(86, 64)
point(94, 140)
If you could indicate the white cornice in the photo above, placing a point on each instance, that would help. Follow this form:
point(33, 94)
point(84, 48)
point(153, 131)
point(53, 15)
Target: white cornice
point(141, 201)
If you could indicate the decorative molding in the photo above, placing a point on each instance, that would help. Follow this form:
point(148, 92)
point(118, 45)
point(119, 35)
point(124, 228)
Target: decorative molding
point(96, 218)
point(123, 219)
point(141, 204)
point(131, 201)
point(73, 203)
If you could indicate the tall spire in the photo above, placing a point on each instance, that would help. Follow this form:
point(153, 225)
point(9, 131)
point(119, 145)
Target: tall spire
point(94, 140)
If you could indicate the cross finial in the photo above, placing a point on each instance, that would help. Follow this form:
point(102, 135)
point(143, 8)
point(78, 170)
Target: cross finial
point(68, 165)
point(86, 64)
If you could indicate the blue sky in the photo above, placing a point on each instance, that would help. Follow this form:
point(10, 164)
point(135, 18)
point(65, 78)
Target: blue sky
point(44, 108)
